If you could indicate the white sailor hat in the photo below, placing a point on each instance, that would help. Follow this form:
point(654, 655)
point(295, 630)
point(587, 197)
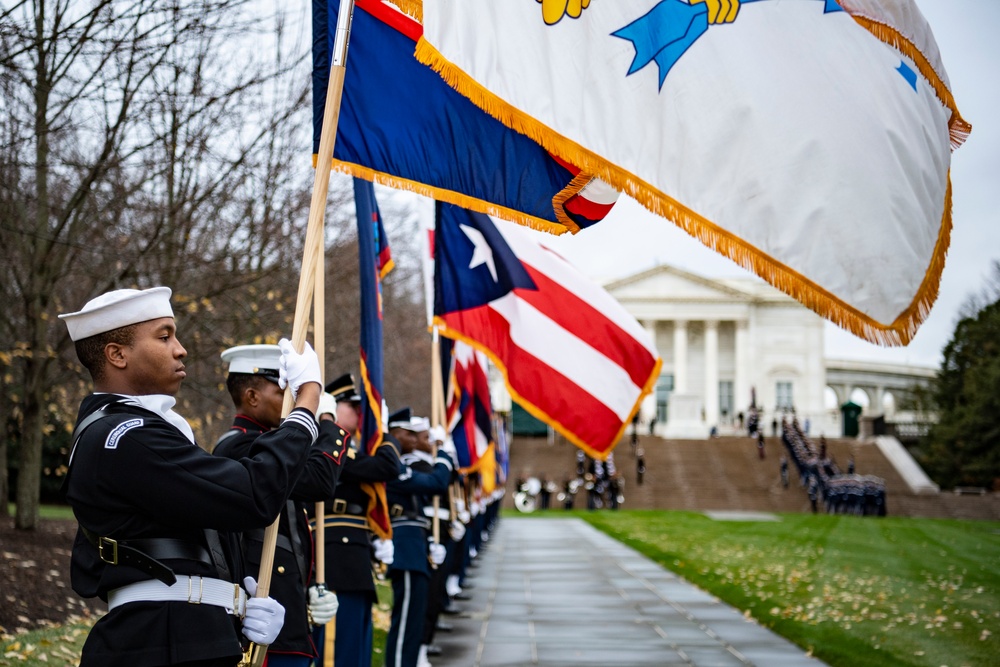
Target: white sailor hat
point(263, 360)
point(117, 309)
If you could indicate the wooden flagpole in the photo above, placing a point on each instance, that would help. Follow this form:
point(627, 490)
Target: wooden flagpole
point(437, 399)
point(311, 253)
point(319, 335)
point(441, 414)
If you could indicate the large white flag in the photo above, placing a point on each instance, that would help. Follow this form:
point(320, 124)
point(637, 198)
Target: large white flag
point(807, 140)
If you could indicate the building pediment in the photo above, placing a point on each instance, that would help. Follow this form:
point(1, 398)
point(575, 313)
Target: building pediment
point(668, 283)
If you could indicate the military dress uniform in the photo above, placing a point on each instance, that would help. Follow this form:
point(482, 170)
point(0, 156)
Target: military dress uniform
point(410, 570)
point(293, 554)
point(348, 554)
point(437, 594)
point(148, 501)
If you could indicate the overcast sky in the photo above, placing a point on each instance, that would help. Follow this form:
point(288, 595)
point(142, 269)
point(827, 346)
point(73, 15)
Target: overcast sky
point(631, 239)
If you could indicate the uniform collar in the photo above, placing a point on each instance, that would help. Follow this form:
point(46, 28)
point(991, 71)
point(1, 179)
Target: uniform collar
point(162, 405)
point(249, 424)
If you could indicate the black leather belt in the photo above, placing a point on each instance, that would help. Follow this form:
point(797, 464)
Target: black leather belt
point(341, 506)
point(399, 512)
point(146, 554)
point(282, 542)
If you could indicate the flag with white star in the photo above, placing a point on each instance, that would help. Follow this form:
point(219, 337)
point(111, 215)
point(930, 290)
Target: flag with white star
point(569, 353)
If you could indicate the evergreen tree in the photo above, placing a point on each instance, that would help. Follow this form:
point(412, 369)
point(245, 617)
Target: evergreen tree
point(964, 448)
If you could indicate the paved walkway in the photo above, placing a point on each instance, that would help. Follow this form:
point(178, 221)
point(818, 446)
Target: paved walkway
point(557, 592)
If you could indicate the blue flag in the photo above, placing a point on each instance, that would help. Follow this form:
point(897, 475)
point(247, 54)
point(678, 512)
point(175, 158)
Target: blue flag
point(401, 124)
point(371, 242)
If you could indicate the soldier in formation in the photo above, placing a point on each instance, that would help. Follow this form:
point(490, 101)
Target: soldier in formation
point(157, 513)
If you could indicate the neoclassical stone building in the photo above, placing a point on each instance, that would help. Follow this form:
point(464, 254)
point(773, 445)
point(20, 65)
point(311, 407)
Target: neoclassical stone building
point(722, 339)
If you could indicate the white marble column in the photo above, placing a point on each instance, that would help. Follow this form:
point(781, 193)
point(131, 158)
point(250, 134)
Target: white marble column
point(684, 416)
point(680, 356)
point(711, 373)
point(741, 380)
point(648, 409)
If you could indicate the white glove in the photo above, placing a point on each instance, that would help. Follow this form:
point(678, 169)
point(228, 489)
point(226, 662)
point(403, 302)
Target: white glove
point(384, 550)
point(449, 448)
point(294, 369)
point(327, 405)
point(456, 530)
point(437, 434)
point(464, 516)
point(323, 605)
point(437, 552)
point(264, 616)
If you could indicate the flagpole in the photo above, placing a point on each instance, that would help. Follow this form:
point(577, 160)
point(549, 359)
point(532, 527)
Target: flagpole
point(437, 400)
point(437, 392)
point(311, 252)
point(319, 335)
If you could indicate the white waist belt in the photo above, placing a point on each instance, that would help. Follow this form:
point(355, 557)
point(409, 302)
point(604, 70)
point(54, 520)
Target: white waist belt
point(195, 590)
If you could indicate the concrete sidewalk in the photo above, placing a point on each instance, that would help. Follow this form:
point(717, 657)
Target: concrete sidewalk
point(558, 592)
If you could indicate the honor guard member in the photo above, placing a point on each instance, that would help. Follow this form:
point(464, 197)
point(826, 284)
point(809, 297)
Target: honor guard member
point(348, 539)
point(450, 533)
point(414, 555)
point(149, 500)
point(253, 385)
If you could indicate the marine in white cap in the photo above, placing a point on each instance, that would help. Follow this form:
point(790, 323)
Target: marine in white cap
point(252, 381)
point(154, 509)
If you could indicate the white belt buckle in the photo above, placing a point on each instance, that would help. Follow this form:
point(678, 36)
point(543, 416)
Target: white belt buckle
point(201, 590)
point(237, 611)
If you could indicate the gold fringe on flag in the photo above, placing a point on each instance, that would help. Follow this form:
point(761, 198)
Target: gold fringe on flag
point(412, 8)
point(471, 203)
point(958, 127)
point(784, 278)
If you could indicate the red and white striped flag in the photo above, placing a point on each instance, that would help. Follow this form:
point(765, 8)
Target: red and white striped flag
point(570, 354)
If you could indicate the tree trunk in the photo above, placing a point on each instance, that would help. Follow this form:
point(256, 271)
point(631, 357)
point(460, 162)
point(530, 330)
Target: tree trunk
point(35, 363)
point(4, 476)
point(30, 466)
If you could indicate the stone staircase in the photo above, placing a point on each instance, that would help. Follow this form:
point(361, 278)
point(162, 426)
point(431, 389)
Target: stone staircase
point(727, 474)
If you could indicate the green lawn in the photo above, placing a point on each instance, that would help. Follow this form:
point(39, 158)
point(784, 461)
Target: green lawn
point(61, 646)
point(50, 647)
point(854, 590)
point(48, 511)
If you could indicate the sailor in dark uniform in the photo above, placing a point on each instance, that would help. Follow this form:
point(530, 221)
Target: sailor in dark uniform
point(414, 555)
point(348, 539)
point(450, 534)
point(149, 500)
point(253, 385)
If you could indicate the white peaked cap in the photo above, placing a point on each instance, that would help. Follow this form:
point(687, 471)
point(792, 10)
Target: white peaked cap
point(253, 359)
point(419, 424)
point(117, 309)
